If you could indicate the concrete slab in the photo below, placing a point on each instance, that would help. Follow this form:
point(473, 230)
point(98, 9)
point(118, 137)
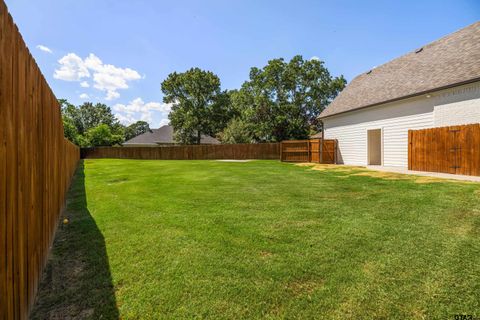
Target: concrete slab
point(425, 174)
point(233, 160)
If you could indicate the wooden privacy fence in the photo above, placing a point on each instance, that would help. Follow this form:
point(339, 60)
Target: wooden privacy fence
point(191, 152)
point(309, 151)
point(36, 165)
point(454, 149)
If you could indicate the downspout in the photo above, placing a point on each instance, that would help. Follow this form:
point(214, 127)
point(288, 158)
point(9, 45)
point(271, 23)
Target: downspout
point(321, 142)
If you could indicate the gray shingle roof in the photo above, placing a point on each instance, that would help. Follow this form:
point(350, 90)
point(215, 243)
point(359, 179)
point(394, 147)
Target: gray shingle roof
point(449, 61)
point(163, 135)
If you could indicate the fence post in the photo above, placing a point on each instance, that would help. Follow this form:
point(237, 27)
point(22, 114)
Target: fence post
point(335, 150)
point(320, 158)
point(309, 152)
point(410, 149)
point(281, 151)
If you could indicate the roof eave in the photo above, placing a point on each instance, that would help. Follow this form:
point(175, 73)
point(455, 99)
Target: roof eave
point(457, 84)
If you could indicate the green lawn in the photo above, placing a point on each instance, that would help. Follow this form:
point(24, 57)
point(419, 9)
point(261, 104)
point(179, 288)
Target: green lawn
point(262, 239)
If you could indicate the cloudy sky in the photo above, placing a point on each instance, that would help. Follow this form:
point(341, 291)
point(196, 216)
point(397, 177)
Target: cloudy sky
point(119, 51)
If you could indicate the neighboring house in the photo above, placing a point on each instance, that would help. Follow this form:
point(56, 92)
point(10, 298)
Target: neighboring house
point(161, 137)
point(433, 86)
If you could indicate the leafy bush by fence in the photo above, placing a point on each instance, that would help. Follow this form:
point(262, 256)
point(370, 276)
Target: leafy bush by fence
point(36, 166)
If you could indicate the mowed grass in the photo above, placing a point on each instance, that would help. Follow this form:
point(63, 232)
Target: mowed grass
point(262, 239)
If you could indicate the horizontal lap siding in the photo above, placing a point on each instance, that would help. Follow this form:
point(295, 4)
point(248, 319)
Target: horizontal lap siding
point(454, 106)
point(36, 165)
point(350, 131)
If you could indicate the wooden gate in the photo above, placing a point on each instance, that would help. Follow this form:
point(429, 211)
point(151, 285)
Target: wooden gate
point(308, 151)
point(454, 149)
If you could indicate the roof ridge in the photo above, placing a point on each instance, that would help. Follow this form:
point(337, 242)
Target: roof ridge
point(413, 51)
point(449, 61)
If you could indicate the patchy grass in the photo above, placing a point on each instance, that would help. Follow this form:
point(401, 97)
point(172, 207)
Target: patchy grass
point(262, 239)
point(362, 171)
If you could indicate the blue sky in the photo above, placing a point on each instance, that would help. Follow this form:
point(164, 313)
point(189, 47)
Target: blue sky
point(123, 49)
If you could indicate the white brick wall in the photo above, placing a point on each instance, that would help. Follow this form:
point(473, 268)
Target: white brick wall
point(457, 106)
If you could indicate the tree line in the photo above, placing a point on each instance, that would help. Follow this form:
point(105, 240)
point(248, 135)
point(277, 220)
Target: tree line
point(278, 102)
point(89, 125)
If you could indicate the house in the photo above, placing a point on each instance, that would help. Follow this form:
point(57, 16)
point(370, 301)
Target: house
point(434, 86)
point(161, 137)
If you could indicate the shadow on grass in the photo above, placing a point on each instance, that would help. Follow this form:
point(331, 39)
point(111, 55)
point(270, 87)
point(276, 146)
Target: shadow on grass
point(77, 283)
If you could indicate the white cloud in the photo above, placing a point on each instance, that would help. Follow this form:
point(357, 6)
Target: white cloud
point(163, 122)
point(125, 119)
point(44, 48)
point(138, 105)
point(137, 109)
point(315, 58)
point(71, 68)
point(84, 84)
point(111, 95)
point(84, 96)
point(106, 77)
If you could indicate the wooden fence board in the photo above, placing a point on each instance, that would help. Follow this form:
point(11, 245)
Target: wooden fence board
point(265, 151)
point(309, 151)
point(3, 163)
point(454, 149)
point(36, 166)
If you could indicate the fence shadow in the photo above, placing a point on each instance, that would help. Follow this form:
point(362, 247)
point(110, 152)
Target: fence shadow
point(77, 282)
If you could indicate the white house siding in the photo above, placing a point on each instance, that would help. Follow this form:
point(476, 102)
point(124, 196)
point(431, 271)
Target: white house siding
point(460, 105)
point(395, 119)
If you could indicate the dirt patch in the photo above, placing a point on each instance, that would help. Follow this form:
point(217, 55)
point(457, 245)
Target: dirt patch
point(382, 175)
point(421, 179)
point(370, 269)
point(233, 160)
point(349, 171)
point(304, 286)
point(461, 230)
point(117, 180)
point(265, 254)
point(329, 167)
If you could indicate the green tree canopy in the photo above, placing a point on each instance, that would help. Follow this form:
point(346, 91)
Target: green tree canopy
point(102, 135)
point(199, 108)
point(136, 129)
point(284, 99)
point(88, 115)
point(86, 124)
point(237, 131)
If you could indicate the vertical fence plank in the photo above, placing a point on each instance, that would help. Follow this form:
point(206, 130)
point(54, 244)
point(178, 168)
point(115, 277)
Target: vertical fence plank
point(454, 149)
point(3, 164)
point(36, 165)
point(265, 151)
point(309, 151)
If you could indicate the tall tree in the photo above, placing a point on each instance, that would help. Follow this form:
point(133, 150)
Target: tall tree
point(284, 99)
point(85, 125)
point(199, 108)
point(89, 115)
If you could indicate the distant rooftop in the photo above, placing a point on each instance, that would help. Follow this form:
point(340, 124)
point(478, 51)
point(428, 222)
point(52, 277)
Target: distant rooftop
point(163, 135)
